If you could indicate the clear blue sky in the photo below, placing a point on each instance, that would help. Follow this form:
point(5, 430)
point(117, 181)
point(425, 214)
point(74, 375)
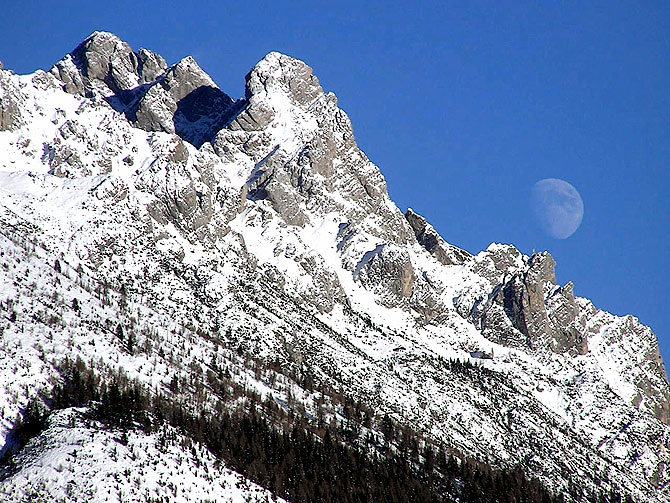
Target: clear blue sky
point(463, 105)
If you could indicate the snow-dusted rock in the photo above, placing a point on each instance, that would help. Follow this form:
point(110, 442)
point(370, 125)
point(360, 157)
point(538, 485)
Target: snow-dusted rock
point(11, 101)
point(428, 237)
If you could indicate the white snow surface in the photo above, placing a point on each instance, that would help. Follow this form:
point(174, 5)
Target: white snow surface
point(80, 460)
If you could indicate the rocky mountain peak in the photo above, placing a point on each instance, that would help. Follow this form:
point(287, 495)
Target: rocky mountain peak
point(180, 99)
point(185, 101)
point(103, 58)
point(283, 75)
point(186, 76)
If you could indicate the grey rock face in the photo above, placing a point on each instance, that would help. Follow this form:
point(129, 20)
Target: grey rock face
point(325, 289)
point(524, 302)
point(484, 305)
point(11, 100)
point(323, 161)
point(428, 237)
point(151, 66)
point(278, 75)
point(288, 76)
point(191, 205)
point(72, 77)
point(106, 58)
point(388, 270)
point(520, 303)
point(500, 262)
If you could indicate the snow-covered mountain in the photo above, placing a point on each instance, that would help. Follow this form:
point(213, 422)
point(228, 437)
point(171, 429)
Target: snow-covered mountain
point(150, 223)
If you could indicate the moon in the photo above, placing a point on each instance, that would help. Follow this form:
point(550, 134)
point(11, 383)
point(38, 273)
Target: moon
point(557, 206)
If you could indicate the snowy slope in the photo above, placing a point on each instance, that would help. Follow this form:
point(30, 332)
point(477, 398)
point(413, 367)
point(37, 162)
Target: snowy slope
point(78, 459)
point(277, 240)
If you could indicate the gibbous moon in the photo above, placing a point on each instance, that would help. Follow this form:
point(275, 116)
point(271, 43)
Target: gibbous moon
point(558, 207)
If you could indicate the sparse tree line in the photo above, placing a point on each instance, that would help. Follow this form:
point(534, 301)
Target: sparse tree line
point(301, 460)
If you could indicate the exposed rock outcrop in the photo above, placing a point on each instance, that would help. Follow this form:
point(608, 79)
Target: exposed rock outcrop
point(105, 62)
point(388, 270)
point(303, 151)
point(525, 308)
point(11, 100)
point(428, 237)
point(304, 162)
point(523, 298)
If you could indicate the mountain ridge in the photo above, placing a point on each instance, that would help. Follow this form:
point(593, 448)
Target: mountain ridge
point(263, 221)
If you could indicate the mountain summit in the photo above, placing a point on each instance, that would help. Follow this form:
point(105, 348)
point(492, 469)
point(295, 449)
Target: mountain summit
point(213, 258)
point(180, 99)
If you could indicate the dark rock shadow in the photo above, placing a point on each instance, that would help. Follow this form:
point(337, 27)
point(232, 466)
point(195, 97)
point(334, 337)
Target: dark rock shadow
point(203, 113)
point(202, 102)
point(127, 102)
point(199, 116)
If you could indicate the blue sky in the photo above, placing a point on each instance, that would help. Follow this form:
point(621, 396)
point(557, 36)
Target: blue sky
point(463, 105)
